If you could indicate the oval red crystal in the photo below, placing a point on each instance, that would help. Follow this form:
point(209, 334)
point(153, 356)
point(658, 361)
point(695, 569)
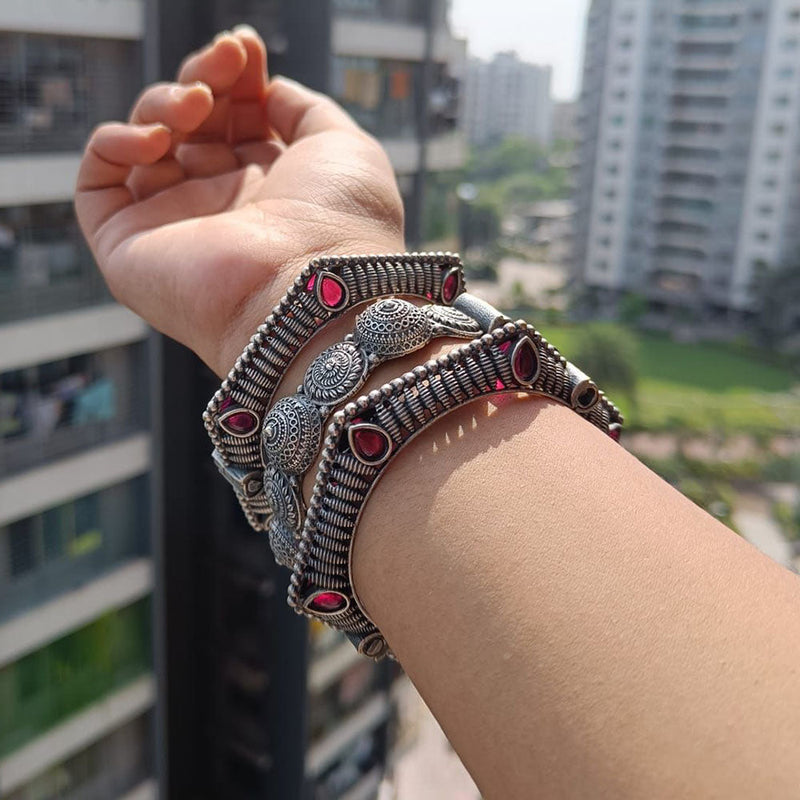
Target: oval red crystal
point(240, 422)
point(370, 444)
point(615, 432)
point(526, 361)
point(331, 292)
point(328, 603)
point(450, 287)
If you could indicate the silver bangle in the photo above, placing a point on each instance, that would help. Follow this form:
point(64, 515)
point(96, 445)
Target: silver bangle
point(325, 289)
point(293, 427)
point(367, 434)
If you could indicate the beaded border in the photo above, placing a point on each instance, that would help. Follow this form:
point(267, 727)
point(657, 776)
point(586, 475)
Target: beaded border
point(301, 313)
point(402, 409)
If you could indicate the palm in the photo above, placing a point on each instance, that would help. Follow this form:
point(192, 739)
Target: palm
point(203, 237)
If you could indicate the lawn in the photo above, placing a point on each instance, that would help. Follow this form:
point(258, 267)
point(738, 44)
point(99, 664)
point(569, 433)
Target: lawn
point(703, 387)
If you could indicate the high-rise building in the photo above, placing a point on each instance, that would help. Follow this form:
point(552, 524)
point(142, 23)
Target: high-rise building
point(688, 178)
point(77, 683)
point(508, 97)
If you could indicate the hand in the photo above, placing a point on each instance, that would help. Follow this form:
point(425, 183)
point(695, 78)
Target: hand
point(201, 209)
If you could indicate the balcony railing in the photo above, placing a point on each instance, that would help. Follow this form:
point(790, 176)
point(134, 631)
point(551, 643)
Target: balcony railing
point(64, 548)
point(47, 686)
point(57, 409)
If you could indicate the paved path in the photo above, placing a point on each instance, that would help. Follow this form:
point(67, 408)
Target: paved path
point(754, 521)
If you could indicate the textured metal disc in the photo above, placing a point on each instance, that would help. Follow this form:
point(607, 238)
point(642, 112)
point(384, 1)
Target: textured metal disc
point(393, 327)
point(336, 373)
point(283, 543)
point(453, 320)
point(284, 499)
point(291, 435)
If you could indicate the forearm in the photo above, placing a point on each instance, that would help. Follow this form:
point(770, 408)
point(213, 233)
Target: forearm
point(578, 627)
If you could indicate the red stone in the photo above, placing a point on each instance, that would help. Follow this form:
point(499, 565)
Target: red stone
point(505, 347)
point(226, 404)
point(615, 432)
point(328, 602)
point(450, 287)
point(370, 444)
point(241, 422)
point(499, 385)
point(525, 361)
point(310, 283)
point(331, 292)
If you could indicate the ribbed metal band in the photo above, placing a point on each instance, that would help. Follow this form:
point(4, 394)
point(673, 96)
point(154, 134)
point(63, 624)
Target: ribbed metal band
point(325, 289)
point(511, 359)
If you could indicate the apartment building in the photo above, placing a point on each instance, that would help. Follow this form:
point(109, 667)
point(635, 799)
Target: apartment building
point(687, 184)
point(508, 97)
point(77, 687)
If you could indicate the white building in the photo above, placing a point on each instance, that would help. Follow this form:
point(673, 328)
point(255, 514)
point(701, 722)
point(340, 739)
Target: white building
point(688, 178)
point(508, 97)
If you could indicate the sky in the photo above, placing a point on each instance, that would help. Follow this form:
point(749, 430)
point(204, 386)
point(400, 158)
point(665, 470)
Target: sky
point(541, 31)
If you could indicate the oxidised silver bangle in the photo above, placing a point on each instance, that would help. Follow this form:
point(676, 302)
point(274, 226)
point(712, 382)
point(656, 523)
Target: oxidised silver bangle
point(293, 428)
point(364, 437)
point(325, 289)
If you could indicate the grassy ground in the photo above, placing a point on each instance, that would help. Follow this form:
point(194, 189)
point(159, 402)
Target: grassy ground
point(703, 387)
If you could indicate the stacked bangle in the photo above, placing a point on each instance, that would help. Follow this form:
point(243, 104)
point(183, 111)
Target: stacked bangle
point(263, 450)
point(324, 290)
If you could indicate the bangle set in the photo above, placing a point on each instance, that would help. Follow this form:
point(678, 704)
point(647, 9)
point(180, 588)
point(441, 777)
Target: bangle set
point(264, 450)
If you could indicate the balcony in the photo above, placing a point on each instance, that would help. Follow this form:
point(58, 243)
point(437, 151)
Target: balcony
point(46, 687)
point(63, 407)
point(66, 547)
point(692, 166)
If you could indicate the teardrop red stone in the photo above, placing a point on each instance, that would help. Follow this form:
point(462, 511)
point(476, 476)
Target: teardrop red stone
point(450, 287)
point(328, 602)
point(525, 361)
point(331, 292)
point(310, 283)
point(241, 422)
point(615, 432)
point(370, 444)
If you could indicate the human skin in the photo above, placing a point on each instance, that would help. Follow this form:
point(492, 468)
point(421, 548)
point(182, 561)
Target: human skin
point(579, 628)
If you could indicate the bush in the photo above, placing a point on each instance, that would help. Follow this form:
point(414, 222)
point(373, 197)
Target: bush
point(608, 353)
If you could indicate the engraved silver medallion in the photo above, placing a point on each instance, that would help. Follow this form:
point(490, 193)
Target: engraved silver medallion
point(291, 435)
point(336, 373)
point(392, 328)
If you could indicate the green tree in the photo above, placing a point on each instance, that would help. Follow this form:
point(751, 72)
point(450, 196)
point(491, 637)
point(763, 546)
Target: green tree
point(608, 353)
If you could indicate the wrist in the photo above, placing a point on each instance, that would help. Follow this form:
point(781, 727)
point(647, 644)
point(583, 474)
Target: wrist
point(253, 309)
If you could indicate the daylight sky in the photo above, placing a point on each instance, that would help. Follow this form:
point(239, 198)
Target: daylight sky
point(541, 31)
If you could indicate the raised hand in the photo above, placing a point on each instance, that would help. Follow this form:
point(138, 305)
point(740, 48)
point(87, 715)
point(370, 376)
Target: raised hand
point(205, 204)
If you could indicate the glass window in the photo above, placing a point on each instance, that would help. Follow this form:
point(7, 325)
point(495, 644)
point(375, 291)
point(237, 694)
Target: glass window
point(380, 94)
point(55, 89)
point(45, 265)
point(58, 549)
point(61, 407)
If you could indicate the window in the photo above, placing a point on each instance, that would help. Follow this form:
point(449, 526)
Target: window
point(618, 120)
point(763, 236)
point(601, 266)
point(766, 211)
point(55, 89)
point(50, 552)
point(61, 407)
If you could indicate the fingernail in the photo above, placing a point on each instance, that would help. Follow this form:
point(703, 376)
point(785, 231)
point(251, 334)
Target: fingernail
point(245, 28)
point(221, 35)
point(200, 85)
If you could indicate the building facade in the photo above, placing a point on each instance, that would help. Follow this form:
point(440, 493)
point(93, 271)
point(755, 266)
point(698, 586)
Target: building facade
point(78, 687)
point(687, 184)
point(508, 97)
